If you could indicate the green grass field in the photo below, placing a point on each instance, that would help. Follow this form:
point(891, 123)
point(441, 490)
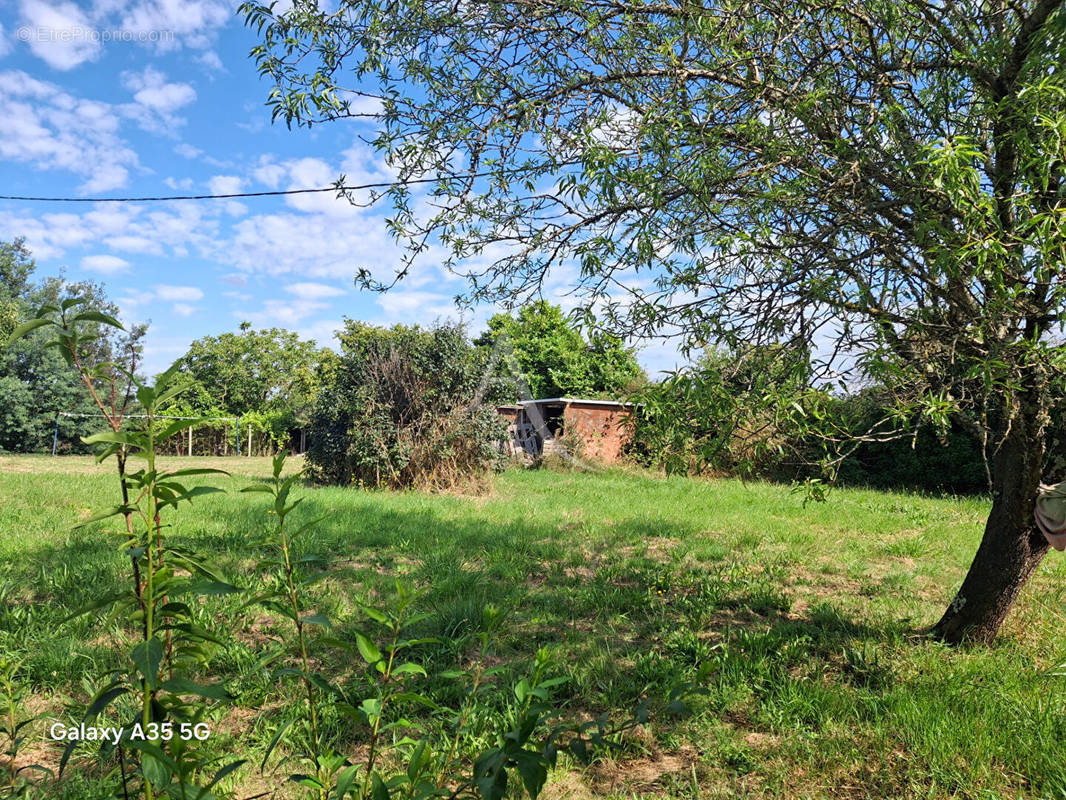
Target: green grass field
point(806, 622)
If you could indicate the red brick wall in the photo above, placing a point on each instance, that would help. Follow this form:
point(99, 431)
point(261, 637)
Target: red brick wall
point(603, 430)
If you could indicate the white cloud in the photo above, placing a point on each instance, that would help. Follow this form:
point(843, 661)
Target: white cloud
point(281, 313)
point(211, 61)
point(181, 293)
point(61, 34)
point(125, 228)
point(48, 128)
point(104, 263)
point(313, 291)
point(106, 178)
point(413, 305)
point(323, 332)
point(184, 309)
point(225, 184)
point(161, 351)
point(134, 244)
point(152, 90)
point(156, 100)
point(187, 150)
point(177, 22)
point(228, 184)
point(269, 173)
point(5, 42)
point(179, 184)
point(131, 299)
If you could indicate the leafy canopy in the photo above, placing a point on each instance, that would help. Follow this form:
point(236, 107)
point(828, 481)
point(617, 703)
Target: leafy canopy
point(252, 371)
point(552, 357)
point(36, 382)
point(882, 181)
point(406, 406)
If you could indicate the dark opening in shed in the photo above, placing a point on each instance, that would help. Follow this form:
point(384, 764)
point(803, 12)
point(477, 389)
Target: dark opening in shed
point(599, 428)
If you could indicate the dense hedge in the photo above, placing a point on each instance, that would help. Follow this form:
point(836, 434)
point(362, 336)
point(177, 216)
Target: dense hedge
point(405, 406)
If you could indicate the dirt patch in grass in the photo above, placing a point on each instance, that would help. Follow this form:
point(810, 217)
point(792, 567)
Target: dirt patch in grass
point(644, 774)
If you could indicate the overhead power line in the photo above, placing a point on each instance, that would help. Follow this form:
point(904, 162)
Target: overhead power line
point(237, 195)
point(230, 196)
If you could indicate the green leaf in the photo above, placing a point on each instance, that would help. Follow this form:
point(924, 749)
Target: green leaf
point(97, 316)
point(317, 619)
point(147, 656)
point(27, 327)
point(104, 698)
point(274, 742)
point(94, 605)
point(344, 781)
point(532, 769)
point(367, 649)
point(154, 770)
point(490, 775)
point(222, 773)
point(114, 437)
point(374, 614)
point(379, 790)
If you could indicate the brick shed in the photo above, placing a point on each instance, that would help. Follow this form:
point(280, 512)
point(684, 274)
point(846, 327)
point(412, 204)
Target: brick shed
point(601, 426)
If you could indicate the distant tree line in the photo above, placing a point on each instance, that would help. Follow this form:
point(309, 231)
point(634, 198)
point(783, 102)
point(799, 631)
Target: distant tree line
point(38, 390)
point(411, 405)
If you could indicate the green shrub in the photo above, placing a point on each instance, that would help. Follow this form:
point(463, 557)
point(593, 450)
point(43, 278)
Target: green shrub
point(405, 407)
point(727, 413)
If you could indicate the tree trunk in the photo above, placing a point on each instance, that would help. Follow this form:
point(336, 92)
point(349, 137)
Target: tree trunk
point(1011, 548)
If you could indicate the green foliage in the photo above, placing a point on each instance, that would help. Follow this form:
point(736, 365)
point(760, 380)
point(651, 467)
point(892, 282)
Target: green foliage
point(543, 349)
point(271, 373)
point(35, 379)
point(15, 728)
point(160, 674)
point(881, 183)
point(632, 581)
point(730, 412)
point(933, 458)
point(405, 406)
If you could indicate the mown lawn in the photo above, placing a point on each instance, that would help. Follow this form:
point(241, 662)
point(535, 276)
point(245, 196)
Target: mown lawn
point(802, 624)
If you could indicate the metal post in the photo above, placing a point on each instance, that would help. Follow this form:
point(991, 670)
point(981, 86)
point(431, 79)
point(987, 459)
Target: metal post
point(55, 437)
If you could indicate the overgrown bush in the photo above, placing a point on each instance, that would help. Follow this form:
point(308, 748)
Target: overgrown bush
point(928, 459)
point(405, 407)
point(728, 413)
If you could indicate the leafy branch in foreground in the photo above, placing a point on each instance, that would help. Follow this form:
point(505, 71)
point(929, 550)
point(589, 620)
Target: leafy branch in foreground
point(162, 666)
point(880, 184)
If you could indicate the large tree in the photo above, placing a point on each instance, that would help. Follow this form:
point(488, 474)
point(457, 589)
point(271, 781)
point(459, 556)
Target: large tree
point(553, 357)
point(253, 371)
point(882, 180)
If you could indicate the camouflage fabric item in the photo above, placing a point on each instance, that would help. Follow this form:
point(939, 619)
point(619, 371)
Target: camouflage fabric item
point(1050, 514)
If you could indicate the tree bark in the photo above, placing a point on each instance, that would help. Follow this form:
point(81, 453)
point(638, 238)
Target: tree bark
point(1011, 548)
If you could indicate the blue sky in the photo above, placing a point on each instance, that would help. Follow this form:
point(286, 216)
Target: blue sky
point(156, 97)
